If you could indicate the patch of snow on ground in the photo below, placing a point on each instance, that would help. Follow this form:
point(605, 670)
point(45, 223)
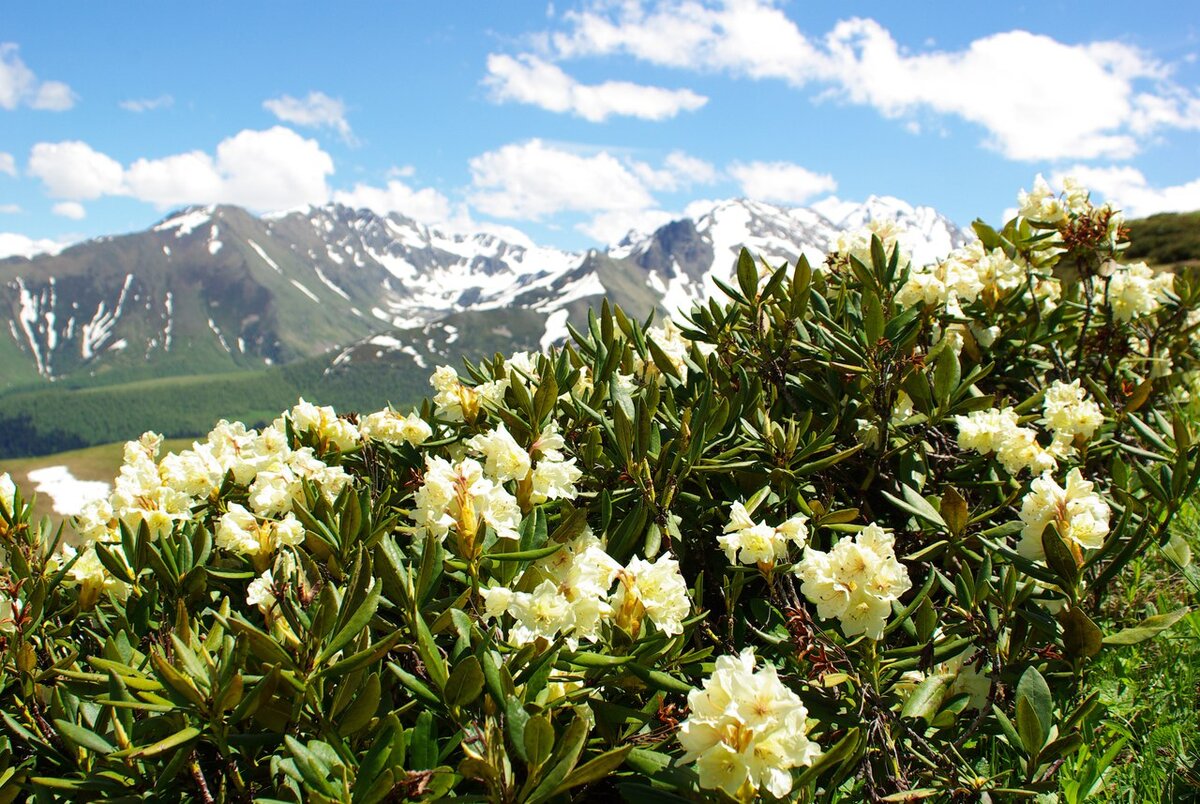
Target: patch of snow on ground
point(306, 291)
point(556, 329)
point(329, 284)
point(259, 250)
point(68, 493)
point(184, 224)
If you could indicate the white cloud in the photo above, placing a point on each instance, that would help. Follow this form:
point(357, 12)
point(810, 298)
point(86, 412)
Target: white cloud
point(263, 170)
point(70, 209)
point(318, 110)
point(531, 180)
point(18, 245)
point(781, 182)
point(1037, 98)
point(1128, 189)
point(679, 170)
point(425, 205)
point(529, 79)
point(10, 209)
point(611, 227)
point(74, 170)
point(147, 104)
point(8, 165)
point(20, 87)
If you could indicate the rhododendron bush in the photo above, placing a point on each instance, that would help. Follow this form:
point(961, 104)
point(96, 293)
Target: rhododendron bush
point(843, 536)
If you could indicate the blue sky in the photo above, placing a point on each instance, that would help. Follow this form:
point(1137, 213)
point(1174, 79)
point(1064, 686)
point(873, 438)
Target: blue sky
point(573, 122)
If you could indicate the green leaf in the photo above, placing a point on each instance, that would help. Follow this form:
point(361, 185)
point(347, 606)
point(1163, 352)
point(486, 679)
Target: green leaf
point(925, 700)
point(465, 683)
point(1034, 694)
point(538, 740)
point(1147, 628)
point(181, 737)
point(84, 738)
point(747, 275)
point(562, 762)
point(1081, 636)
point(594, 769)
point(354, 625)
point(526, 555)
point(946, 375)
point(1059, 558)
point(1029, 727)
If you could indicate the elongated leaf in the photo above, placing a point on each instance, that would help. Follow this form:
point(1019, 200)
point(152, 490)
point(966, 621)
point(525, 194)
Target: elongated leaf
point(84, 737)
point(1147, 628)
point(354, 626)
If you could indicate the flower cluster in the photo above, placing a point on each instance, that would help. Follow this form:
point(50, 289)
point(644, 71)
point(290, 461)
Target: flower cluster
point(746, 730)
point(856, 581)
point(998, 430)
point(1135, 290)
point(571, 593)
point(748, 542)
point(1079, 514)
point(857, 243)
point(457, 402)
point(964, 276)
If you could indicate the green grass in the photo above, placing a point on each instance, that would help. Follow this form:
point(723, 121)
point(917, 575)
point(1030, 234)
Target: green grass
point(1150, 692)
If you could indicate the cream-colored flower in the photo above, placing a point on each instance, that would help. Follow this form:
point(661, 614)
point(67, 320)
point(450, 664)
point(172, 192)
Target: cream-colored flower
point(655, 590)
point(1080, 515)
point(1041, 204)
point(8, 492)
point(1069, 411)
point(1135, 290)
point(554, 480)
point(748, 542)
point(261, 593)
point(504, 458)
point(856, 581)
point(390, 427)
point(746, 730)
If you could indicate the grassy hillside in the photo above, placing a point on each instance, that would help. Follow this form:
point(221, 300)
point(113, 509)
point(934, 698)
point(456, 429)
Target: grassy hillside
point(48, 421)
point(1166, 239)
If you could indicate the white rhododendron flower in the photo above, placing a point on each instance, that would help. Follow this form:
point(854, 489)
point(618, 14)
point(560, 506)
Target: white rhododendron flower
point(240, 531)
point(1041, 204)
point(748, 542)
point(1079, 514)
point(997, 430)
point(540, 613)
point(261, 593)
point(1069, 412)
point(504, 458)
point(390, 427)
point(91, 576)
point(857, 243)
point(324, 421)
point(856, 581)
point(746, 730)
point(554, 480)
point(140, 495)
point(458, 495)
point(1136, 290)
point(8, 493)
point(654, 590)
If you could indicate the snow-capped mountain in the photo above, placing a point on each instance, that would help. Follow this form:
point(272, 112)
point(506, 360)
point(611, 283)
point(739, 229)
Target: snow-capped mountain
point(216, 289)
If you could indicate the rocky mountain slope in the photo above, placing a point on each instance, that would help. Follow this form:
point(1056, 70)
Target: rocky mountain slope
point(349, 304)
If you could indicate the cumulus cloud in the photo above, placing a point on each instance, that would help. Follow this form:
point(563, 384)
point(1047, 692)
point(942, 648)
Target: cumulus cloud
point(531, 80)
point(611, 227)
point(781, 182)
point(20, 87)
point(74, 170)
point(425, 205)
point(8, 165)
point(1037, 98)
point(70, 209)
point(317, 110)
point(1128, 189)
point(147, 104)
point(18, 245)
point(532, 180)
point(263, 170)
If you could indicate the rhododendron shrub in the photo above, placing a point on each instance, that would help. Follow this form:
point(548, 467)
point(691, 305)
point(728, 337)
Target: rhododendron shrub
point(840, 537)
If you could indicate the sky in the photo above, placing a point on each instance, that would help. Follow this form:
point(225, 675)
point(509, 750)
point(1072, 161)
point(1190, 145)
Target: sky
point(574, 122)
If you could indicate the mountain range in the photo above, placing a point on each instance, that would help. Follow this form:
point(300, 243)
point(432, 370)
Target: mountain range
point(213, 305)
